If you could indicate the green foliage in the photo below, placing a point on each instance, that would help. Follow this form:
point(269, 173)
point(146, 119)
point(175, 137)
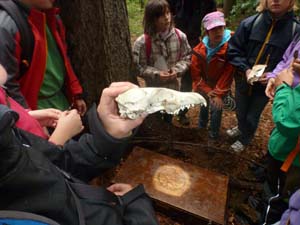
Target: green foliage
point(241, 9)
point(135, 13)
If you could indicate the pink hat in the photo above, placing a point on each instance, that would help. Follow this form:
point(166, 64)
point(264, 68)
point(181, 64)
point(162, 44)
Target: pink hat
point(212, 20)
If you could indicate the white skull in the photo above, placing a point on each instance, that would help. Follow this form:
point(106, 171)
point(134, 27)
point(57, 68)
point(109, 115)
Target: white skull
point(137, 101)
point(256, 72)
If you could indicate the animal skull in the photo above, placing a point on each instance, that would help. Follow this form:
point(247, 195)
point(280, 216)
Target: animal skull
point(137, 101)
point(256, 72)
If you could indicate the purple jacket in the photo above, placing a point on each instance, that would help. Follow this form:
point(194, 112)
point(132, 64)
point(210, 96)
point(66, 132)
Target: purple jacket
point(286, 61)
point(292, 214)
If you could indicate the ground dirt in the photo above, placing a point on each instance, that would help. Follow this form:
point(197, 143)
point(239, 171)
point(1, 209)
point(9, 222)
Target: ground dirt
point(192, 145)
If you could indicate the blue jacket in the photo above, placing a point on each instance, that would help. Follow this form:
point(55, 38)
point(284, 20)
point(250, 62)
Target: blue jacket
point(249, 37)
point(247, 41)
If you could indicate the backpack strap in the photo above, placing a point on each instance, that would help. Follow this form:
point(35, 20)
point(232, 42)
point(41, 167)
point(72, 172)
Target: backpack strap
point(180, 43)
point(291, 156)
point(26, 36)
point(148, 44)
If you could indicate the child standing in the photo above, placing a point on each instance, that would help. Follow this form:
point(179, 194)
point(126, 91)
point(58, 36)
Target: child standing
point(211, 72)
point(162, 54)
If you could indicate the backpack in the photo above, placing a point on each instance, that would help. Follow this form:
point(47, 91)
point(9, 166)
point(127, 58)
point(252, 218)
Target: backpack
point(148, 44)
point(26, 36)
point(23, 218)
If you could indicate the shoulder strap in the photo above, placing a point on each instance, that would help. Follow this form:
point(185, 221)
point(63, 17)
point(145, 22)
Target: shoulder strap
point(257, 20)
point(291, 156)
point(26, 36)
point(294, 27)
point(180, 42)
point(148, 45)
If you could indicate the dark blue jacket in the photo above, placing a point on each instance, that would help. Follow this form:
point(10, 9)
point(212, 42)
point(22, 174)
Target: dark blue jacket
point(249, 37)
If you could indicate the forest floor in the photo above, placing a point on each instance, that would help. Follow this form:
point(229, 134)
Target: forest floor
point(213, 155)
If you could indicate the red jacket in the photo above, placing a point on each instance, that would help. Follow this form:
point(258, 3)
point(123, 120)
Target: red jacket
point(25, 121)
point(215, 75)
point(29, 84)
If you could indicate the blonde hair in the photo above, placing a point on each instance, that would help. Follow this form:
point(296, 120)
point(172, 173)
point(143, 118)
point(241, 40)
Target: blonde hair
point(263, 5)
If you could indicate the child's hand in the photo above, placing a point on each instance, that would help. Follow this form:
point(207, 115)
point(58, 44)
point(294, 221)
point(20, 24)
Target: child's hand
point(172, 74)
point(285, 76)
point(167, 76)
point(263, 79)
point(68, 125)
point(80, 105)
point(217, 102)
point(296, 66)
point(46, 117)
point(211, 94)
point(270, 89)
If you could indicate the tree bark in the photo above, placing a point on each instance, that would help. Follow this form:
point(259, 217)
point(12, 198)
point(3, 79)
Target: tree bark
point(228, 6)
point(99, 42)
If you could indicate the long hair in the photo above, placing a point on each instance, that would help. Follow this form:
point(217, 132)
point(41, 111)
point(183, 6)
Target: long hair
point(263, 5)
point(153, 10)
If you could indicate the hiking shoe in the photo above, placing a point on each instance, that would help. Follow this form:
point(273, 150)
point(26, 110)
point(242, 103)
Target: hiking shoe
point(233, 132)
point(237, 147)
point(213, 135)
point(183, 120)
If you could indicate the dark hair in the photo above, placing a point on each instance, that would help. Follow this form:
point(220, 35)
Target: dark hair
point(153, 10)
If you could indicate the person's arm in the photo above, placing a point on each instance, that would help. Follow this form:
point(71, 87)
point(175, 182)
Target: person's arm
point(46, 117)
point(74, 89)
point(68, 125)
point(224, 83)
point(10, 57)
point(237, 47)
point(9, 157)
point(183, 64)
point(138, 207)
point(285, 62)
point(199, 84)
point(286, 105)
point(104, 146)
point(140, 60)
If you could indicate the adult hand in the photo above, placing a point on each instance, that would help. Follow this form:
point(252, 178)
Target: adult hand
point(120, 189)
point(270, 89)
point(68, 125)
point(285, 76)
point(108, 111)
point(80, 105)
point(217, 102)
point(46, 117)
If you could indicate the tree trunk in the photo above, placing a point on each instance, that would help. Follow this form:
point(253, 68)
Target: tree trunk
point(228, 6)
point(99, 42)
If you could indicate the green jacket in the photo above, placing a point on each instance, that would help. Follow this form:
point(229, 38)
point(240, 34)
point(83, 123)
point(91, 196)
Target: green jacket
point(286, 116)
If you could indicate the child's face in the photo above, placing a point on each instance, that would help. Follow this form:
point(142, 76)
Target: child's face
point(3, 75)
point(279, 7)
point(163, 22)
point(215, 35)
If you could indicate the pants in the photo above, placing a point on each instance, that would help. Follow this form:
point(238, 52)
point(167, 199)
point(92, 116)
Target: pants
point(215, 118)
point(248, 110)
